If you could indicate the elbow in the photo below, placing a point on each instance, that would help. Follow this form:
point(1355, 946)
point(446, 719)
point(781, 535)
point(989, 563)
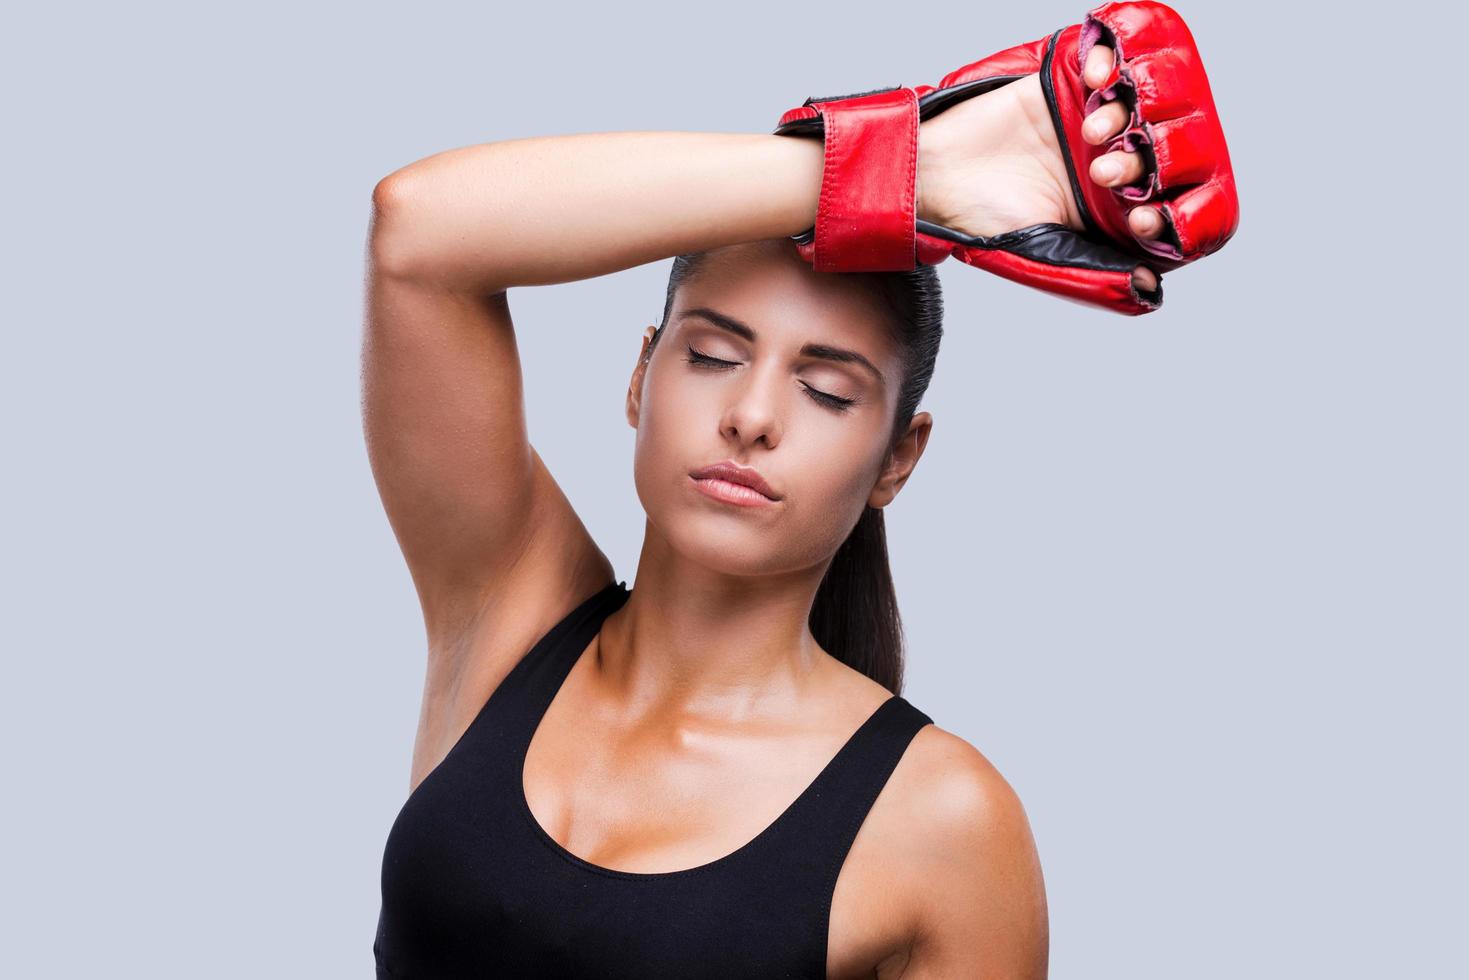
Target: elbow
point(387, 237)
point(388, 195)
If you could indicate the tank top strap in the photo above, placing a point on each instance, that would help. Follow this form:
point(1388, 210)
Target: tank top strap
point(527, 691)
point(814, 836)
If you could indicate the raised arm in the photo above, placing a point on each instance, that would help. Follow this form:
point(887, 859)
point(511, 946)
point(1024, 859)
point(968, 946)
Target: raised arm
point(443, 410)
point(549, 209)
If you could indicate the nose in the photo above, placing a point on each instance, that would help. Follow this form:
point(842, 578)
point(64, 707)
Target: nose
point(753, 413)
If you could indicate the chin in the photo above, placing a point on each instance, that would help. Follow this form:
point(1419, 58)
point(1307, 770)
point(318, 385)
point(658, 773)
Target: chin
point(726, 543)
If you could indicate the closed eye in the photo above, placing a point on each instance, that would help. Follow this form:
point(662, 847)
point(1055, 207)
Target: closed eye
point(827, 399)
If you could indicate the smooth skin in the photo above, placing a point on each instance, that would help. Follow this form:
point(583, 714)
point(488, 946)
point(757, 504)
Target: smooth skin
point(705, 706)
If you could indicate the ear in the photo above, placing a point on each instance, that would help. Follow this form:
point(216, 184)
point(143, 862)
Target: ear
point(901, 460)
point(634, 405)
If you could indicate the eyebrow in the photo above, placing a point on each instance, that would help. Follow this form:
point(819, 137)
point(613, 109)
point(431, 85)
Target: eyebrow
point(825, 352)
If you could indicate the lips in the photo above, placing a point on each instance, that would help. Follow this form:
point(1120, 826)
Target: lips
point(733, 472)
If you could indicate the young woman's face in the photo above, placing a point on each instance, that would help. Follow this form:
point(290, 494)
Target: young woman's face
point(781, 369)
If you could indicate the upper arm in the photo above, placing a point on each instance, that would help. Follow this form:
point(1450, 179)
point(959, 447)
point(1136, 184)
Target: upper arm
point(444, 420)
point(984, 913)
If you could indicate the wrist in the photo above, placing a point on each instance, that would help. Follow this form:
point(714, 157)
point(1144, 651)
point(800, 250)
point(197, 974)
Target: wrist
point(931, 134)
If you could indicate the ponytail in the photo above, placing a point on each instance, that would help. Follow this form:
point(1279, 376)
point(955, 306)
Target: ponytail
point(855, 616)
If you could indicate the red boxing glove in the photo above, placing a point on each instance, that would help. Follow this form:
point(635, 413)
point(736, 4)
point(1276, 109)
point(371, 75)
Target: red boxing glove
point(866, 219)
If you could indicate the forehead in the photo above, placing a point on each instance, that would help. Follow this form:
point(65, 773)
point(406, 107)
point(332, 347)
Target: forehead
point(770, 287)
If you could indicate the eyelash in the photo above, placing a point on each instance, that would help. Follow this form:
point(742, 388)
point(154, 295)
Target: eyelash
point(830, 401)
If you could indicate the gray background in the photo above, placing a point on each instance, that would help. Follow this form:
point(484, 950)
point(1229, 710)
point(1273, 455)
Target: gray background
point(1195, 582)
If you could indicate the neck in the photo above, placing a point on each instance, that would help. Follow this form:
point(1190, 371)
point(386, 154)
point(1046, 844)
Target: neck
point(691, 639)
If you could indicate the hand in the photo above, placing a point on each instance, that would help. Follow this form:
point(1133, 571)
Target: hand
point(993, 163)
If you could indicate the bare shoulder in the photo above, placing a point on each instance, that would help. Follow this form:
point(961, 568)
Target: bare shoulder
point(963, 790)
point(978, 897)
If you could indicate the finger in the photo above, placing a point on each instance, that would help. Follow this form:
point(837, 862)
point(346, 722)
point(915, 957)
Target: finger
point(1105, 123)
point(1144, 279)
point(1145, 221)
point(1118, 167)
point(1098, 66)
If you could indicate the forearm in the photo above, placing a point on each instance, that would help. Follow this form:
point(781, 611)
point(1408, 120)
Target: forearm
point(553, 209)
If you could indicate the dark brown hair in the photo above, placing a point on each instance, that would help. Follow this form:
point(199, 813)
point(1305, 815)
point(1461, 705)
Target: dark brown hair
point(855, 613)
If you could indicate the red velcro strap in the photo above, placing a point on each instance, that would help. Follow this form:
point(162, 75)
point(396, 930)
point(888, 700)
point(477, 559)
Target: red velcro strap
point(866, 219)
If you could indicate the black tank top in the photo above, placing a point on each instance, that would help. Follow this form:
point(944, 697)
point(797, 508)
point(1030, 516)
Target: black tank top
point(473, 886)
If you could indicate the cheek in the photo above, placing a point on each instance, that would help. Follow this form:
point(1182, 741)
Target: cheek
point(666, 408)
point(835, 478)
point(667, 421)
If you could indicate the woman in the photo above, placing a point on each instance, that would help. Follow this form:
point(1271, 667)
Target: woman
point(712, 774)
